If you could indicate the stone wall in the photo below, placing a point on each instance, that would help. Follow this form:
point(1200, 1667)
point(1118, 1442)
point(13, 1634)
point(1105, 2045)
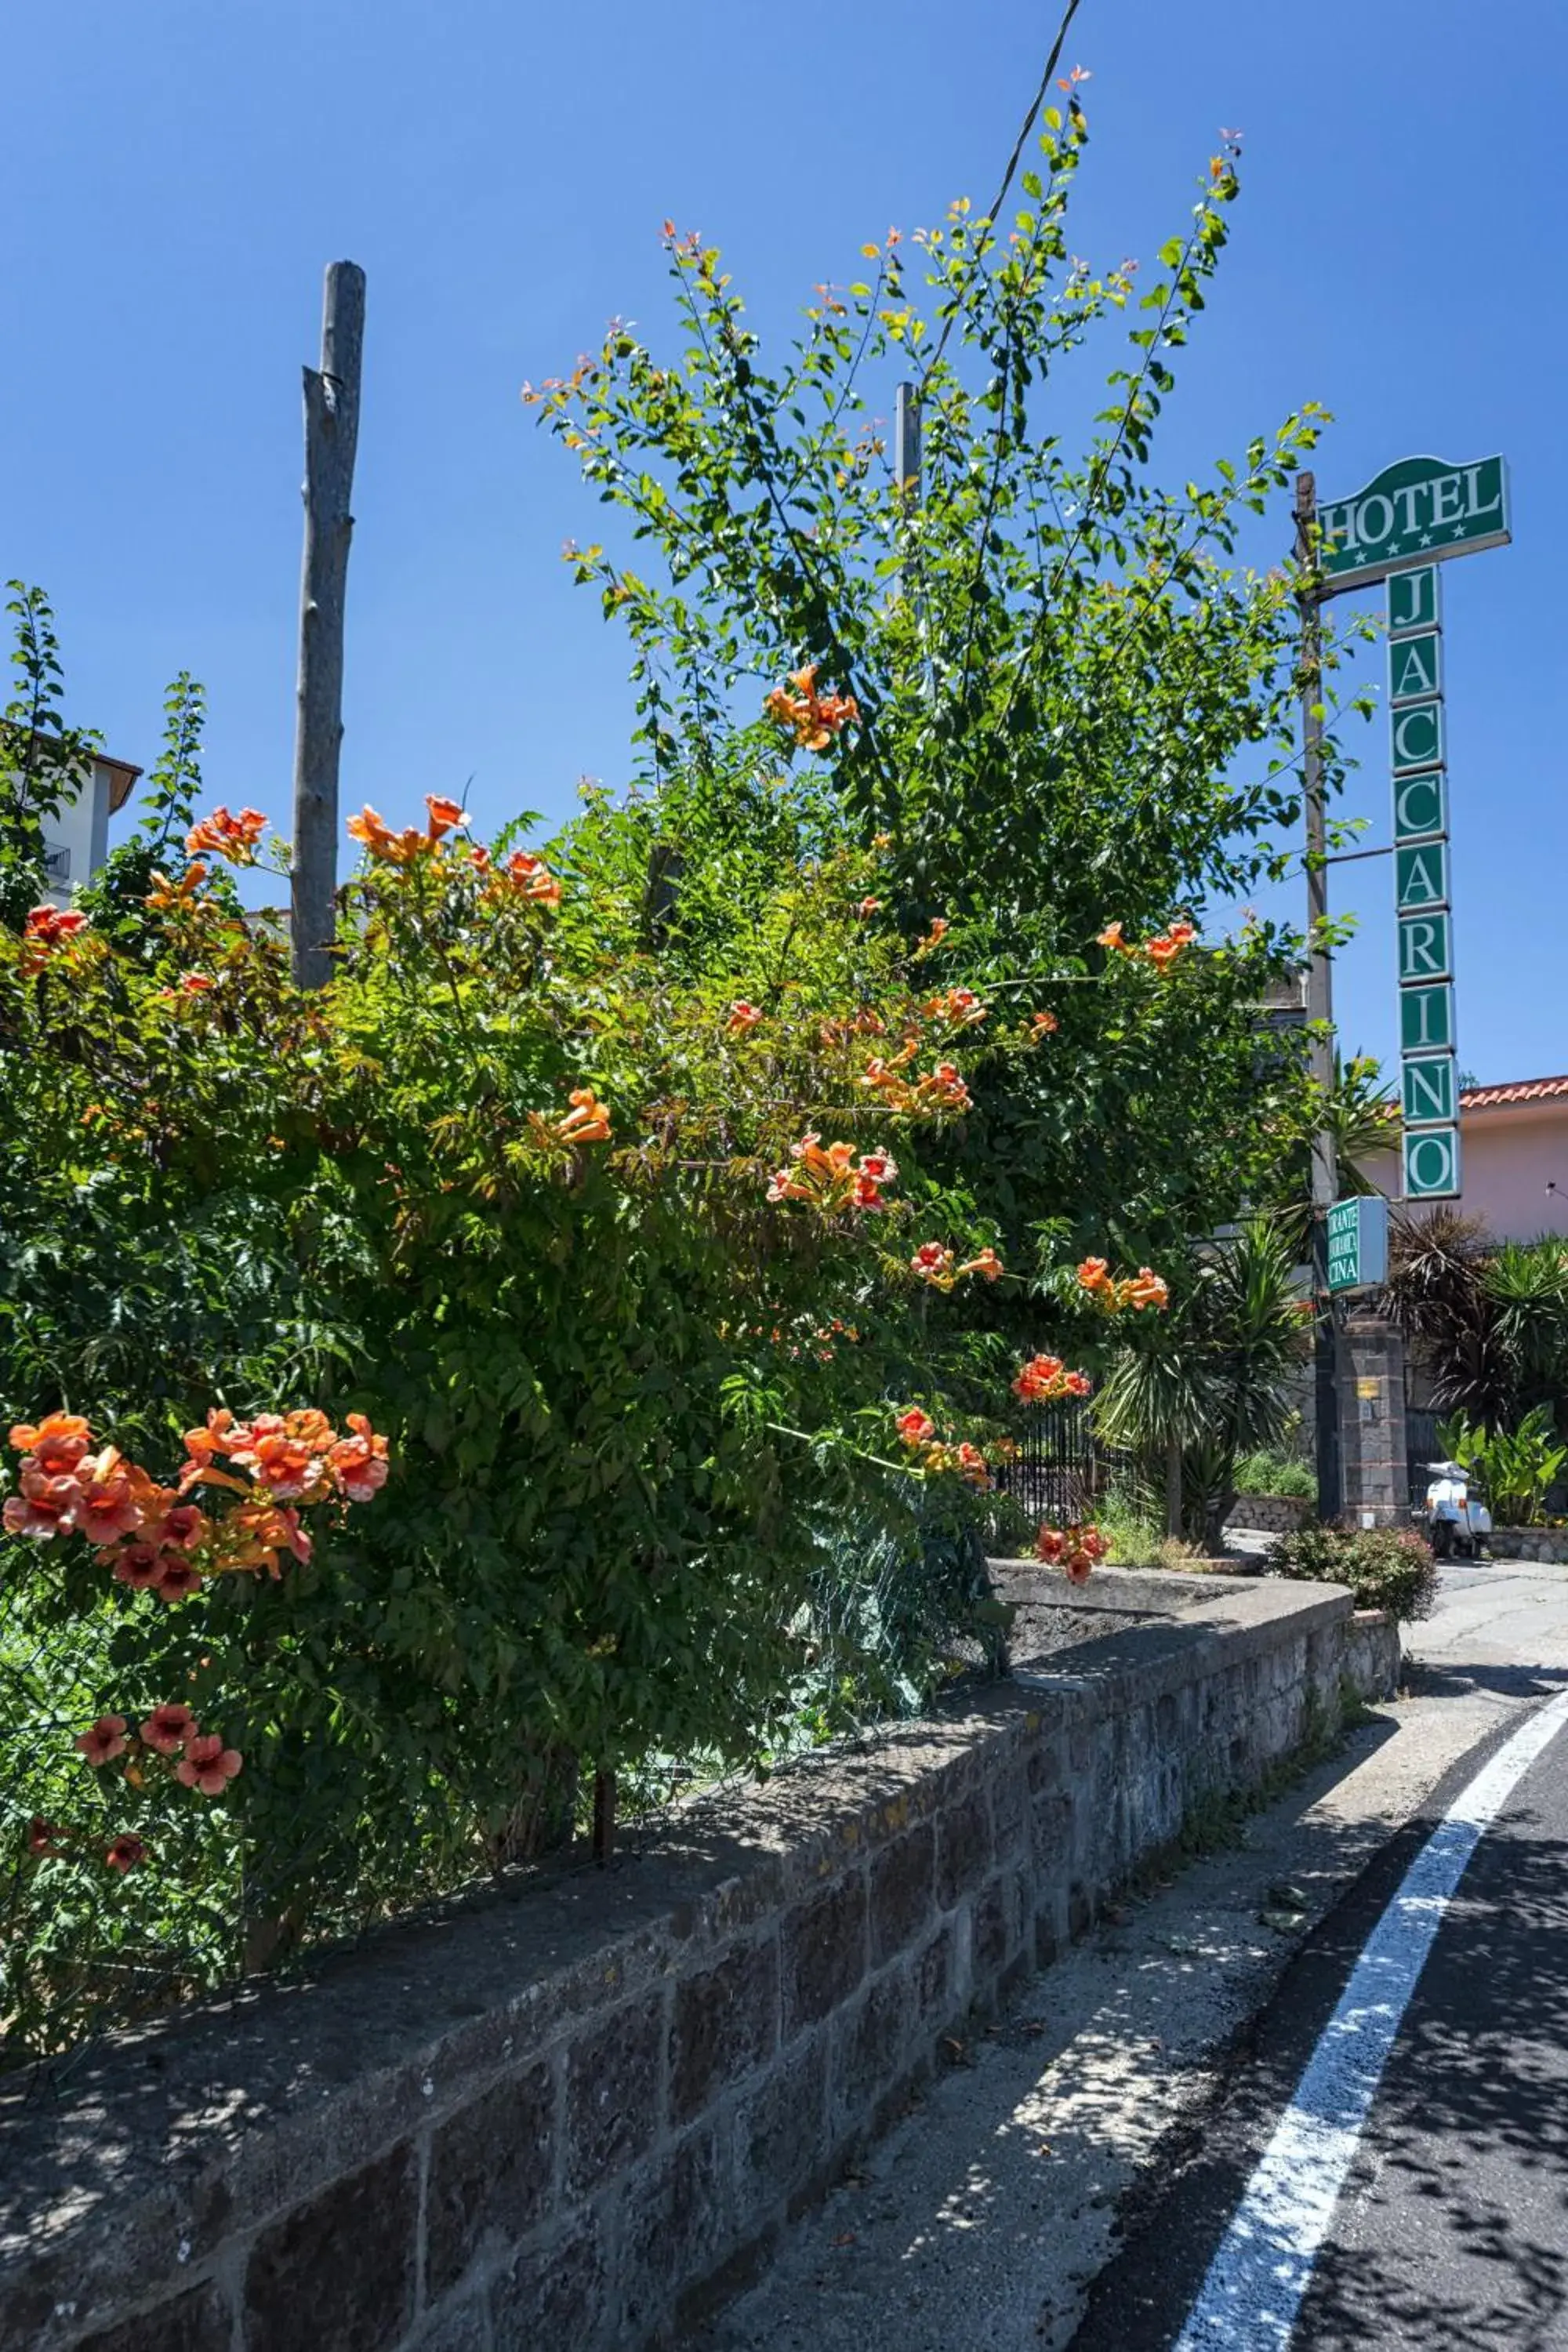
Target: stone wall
point(1273, 1515)
point(577, 2119)
point(1529, 1543)
point(1374, 1470)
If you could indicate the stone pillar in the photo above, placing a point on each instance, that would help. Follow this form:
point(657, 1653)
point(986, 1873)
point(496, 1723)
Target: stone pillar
point(1376, 1479)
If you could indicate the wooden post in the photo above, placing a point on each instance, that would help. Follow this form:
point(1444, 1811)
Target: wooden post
point(603, 1816)
point(332, 432)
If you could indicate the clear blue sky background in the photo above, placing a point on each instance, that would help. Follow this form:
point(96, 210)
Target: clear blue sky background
point(176, 173)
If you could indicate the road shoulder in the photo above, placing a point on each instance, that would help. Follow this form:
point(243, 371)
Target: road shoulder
point(986, 2214)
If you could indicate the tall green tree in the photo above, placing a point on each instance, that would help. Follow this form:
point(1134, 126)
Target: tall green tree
point(1072, 703)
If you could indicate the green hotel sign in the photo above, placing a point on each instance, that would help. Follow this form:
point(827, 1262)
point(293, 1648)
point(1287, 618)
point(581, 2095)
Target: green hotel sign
point(1409, 519)
point(1429, 1094)
point(1419, 511)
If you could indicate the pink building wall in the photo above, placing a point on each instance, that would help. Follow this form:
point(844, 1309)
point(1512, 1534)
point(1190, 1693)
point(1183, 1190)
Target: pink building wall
point(1509, 1152)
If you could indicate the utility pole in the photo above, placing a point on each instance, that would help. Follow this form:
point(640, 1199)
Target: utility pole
point(1319, 993)
point(331, 434)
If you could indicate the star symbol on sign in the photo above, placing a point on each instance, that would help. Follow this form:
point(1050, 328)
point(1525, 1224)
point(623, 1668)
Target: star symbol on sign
point(1425, 539)
point(1458, 532)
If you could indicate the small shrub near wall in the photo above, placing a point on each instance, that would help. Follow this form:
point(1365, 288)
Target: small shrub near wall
point(1385, 1567)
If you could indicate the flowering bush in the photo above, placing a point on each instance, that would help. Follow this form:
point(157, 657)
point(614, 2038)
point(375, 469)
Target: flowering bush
point(556, 1212)
point(1385, 1567)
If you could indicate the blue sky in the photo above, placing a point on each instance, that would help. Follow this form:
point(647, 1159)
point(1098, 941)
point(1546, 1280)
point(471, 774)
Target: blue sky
point(176, 175)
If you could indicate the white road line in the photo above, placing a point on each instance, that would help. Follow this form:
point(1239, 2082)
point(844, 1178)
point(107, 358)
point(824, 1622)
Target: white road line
point(1252, 2295)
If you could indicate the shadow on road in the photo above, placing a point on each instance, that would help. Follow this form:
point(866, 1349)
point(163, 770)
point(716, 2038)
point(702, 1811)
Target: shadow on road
point(1455, 2226)
point(1424, 1679)
point(982, 2219)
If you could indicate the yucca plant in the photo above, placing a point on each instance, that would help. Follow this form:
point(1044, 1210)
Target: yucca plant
point(1488, 1321)
point(1215, 1379)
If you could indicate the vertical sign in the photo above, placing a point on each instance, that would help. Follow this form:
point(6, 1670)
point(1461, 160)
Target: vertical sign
point(1423, 907)
point(1410, 519)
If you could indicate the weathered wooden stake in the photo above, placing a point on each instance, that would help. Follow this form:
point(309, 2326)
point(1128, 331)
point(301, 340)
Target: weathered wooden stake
point(603, 1816)
point(331, 432)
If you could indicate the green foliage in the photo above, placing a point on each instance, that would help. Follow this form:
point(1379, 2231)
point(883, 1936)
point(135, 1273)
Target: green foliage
point(1212, 1381)
point(648, 1508)
point(115, 899)
point(1488, 1321)
point(1385, 1567)
point(1516, 1468)
point(1268, 1472)
point(640, 1414)
point(1074, 704)
point(42, 761)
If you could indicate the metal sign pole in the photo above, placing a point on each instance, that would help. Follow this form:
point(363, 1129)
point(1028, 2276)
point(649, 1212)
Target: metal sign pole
point(1320, 995)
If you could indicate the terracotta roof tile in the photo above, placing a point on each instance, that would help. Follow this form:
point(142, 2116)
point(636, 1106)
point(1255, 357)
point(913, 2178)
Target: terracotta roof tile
point(1523, 1090)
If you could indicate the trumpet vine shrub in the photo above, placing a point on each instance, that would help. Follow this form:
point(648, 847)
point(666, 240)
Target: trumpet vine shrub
point(628, 1252)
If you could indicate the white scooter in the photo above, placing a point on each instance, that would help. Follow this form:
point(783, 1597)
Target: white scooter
point(1458, 1521)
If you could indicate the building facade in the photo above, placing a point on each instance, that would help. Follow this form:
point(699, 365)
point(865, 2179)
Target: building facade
point(76, 840)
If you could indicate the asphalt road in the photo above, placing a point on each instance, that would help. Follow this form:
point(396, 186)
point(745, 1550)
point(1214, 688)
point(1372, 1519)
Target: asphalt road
point(1065, 2181)
point(1451, 2229)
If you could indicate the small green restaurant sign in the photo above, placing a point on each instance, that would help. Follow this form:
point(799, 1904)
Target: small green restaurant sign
point(1358, 1243)
point(1420, 511)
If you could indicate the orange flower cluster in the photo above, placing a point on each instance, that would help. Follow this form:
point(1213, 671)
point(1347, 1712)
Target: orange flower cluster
point(1075, 1549)
point(940, 1089)
point(1045, 1378)
point(404, 849)
point(205, 1764)
point(934, 1264)
point(149, 1535)
point(1144, 1288)
point(742, 1016)
point(864, 1024)
point(1162, 950)
point(524, 875)
point(964, 1460)
point(832, 1178)
point(814, 719)
point(1043, 1024)
point(222, 835)
point(181, 897)
point(958, 1008)
point(587, 1121)
point(934, 937)
point(45, 928)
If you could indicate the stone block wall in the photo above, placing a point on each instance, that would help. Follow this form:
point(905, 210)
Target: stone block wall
point(1275, 1515)
point(1373, 1470)
point(578, 2118)
point(1547, 1544)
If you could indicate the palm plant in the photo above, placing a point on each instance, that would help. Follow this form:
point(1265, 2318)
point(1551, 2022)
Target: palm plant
point(1214, 1378)
point(1360, 1114)
point(1527, 1287)
point(1488, 1321)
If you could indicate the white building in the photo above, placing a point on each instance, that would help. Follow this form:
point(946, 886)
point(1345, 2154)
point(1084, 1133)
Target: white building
point(76, 840)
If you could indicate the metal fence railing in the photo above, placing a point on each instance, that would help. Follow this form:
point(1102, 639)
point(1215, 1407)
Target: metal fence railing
point(1420, 1447)
point(1060, 1469)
